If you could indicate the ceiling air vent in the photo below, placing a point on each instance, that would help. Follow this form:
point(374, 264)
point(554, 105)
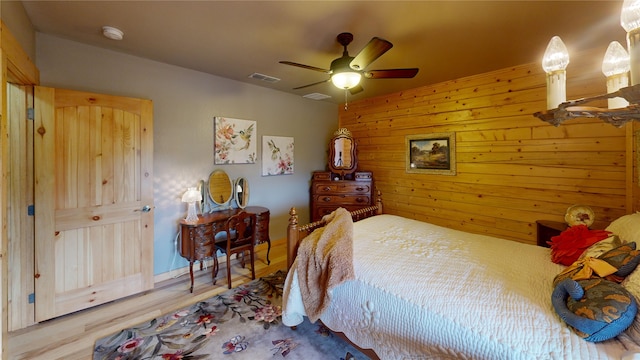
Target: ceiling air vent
point(263, 77)
point(316, 96)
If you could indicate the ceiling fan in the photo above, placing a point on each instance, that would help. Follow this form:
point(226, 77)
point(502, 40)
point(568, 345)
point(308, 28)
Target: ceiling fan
point(346, 71)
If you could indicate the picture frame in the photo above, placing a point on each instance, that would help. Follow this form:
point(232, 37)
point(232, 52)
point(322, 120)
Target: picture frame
point(277, 155)
point(433, 153)
point(234, 141)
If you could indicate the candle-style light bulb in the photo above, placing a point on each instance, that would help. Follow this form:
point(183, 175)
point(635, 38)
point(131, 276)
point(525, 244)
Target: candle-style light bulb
point(630, 21)
point(554, 63)
point(615, 66)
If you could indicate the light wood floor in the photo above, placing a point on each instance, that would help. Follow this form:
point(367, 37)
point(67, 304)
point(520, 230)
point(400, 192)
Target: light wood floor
point(73, 336)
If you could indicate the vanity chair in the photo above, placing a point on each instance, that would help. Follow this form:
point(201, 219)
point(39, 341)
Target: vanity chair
point(342, 184)
point(240, 232)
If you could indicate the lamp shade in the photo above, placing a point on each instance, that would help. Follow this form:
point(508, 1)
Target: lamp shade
point(191, 195)
point(556, 57)
point(346, 80)
point(630, 15)
point(616, 60)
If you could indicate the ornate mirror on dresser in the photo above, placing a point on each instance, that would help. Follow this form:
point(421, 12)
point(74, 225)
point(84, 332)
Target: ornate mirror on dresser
point(342, 153)
point(220, 187)
point(343, 185)
point(241, 191)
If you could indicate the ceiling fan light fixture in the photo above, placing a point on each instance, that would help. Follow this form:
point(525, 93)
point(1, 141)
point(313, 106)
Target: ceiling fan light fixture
point(346, 80)
point(112, 33)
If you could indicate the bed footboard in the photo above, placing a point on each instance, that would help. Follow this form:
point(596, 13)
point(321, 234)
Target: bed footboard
point(295, 232)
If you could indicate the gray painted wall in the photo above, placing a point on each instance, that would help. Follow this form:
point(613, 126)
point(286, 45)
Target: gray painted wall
point(185, 102)
point(15, 18)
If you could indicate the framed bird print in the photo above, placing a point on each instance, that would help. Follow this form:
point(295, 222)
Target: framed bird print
point(234, 141)
point(277, 155)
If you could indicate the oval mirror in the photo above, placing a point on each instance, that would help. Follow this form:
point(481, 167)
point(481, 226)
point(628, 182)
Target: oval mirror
point(241, 188)
point(220, 190)
point(342, 153)
point(202, 189)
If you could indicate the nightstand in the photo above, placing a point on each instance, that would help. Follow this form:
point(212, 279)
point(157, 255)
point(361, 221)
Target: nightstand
point(546, 229)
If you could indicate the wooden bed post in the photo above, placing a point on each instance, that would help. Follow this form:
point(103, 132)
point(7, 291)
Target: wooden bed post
point(292, 237)
point(296, 233)
point(379, 203)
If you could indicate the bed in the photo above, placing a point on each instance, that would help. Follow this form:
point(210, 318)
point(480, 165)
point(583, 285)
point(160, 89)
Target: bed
point(423, 291)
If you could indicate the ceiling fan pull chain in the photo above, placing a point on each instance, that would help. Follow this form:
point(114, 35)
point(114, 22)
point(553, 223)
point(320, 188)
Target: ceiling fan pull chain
point(346, 93)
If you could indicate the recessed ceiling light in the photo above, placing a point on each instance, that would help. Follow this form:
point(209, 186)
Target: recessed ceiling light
point(112, 33)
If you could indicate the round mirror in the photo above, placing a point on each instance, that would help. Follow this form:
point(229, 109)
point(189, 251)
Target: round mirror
point(241, 188)
point(220, 187)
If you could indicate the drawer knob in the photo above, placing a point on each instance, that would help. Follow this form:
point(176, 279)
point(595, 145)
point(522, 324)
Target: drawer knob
point(359, 188)
point(360, 200)
point(326, 188)
point(326, 199)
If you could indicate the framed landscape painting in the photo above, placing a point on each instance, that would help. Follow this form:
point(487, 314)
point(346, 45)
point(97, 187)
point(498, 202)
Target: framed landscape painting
point(234, 141)
point(431, 153)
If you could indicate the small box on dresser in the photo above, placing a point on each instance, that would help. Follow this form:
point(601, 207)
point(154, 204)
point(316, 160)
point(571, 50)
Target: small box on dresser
point(328, 194)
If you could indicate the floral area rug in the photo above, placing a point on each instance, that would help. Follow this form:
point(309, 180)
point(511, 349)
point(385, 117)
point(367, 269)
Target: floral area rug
point(241, 323)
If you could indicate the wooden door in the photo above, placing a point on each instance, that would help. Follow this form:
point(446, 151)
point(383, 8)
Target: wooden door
point(20, 225)
point(93, 158)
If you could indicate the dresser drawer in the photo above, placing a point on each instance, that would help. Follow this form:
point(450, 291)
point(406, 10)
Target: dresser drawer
point(321, 175)
point(322, 210)
point(198, 242)
point(338, 187)
point(344, 199)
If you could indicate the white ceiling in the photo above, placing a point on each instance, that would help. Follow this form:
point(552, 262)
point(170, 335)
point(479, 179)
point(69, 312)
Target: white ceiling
point(233, 39)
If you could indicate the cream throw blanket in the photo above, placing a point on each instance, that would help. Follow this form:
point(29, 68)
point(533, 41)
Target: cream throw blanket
point(325, 260)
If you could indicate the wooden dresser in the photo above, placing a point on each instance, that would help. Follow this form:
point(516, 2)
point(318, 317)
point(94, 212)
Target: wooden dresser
point(328, 195)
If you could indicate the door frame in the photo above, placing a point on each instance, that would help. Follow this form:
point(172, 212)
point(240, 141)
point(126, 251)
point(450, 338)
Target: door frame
point(15, 67)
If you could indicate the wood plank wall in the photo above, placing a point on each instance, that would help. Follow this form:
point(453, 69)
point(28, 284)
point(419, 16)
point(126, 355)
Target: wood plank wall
point(512, 168)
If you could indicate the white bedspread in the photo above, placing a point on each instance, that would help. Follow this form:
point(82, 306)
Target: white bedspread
point(428, 292)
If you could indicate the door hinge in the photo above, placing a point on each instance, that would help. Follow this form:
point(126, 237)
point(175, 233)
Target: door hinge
point(32, 298)
point(30, 114)
point(31, 210)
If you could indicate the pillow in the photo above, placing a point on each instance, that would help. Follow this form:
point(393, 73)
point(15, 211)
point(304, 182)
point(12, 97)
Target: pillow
point(595, 309)
point(627, 227)
point(625, 258)
point(601, 247)
point(567, 247)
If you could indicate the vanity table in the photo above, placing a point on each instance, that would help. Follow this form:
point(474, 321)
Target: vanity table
point(198, 239)
point(341, 186)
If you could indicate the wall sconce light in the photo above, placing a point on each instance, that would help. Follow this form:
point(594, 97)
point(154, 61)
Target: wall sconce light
point(630, 21)
point(618, 112)
point(554, 63)
point(615, 66)
point(191, 196)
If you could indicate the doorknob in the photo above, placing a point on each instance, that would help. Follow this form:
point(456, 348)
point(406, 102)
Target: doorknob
point(145, 209)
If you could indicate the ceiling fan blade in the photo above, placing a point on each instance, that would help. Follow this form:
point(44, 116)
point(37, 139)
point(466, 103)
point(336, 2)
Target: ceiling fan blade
point(373, 50)
point(306, 67)
point(315, 83)
point(356, 89)
point(391, 73)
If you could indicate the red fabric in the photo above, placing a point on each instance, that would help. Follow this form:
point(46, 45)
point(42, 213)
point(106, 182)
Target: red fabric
point(571, 243)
